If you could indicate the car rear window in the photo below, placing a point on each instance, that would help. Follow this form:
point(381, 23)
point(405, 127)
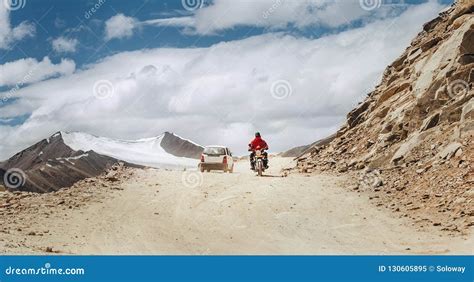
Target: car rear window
point(214, 151)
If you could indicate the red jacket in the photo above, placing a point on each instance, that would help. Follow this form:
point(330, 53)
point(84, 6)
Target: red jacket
point(258, 142)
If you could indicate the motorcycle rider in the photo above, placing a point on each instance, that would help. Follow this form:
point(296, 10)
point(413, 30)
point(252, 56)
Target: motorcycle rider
point(258, 144)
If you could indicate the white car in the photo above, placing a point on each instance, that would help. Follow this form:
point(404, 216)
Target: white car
point(216, 158)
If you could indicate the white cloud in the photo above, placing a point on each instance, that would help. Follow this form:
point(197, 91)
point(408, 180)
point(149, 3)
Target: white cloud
point(9, 34)
point(224, 14)
point(275, 14)
point(30, 70)
point(64, 45)
point(180, 22)
point(119, 26)
point(220, 94)
point(271, 14)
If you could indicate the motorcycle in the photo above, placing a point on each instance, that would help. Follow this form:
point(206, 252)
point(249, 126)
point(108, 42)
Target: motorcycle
point(259, 162)
point(259, 167)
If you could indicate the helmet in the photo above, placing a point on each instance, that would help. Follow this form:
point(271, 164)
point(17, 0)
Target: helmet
point(257, 134)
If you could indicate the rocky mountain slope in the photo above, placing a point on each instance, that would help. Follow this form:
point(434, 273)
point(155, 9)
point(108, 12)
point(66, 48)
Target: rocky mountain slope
point(411, 141)
point(300, 150)
point(177, 146)
point(65, 158)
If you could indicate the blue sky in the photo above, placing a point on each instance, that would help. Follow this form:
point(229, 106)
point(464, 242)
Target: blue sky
point(55, 18)
point(195, 71)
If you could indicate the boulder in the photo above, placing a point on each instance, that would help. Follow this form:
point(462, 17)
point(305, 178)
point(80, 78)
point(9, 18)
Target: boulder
point(430, 43)
point(468, 111)
point(466, 59)
point(387, 94)
point(430, 122)
point(459, 21)
point(449, 150)
point(398, 63)
point(467, 118)
point(467, 43)
point(431, 24)
point(415, 54)
point(461, 10)
point(355, 116)
point(406, 147)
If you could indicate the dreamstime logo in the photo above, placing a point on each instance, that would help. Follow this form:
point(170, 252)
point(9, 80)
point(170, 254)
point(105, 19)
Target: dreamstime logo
point(281, 89)
point(47, 269)
point(192, 5)
point(88, 14)
point(370, 5)
point(371, 179)
point(276, 4)
point(14, 178)
point(18, 86)
point(192, 179)
point(103, 89)
point(458, 88)
point(14, 5)
point(8, 96)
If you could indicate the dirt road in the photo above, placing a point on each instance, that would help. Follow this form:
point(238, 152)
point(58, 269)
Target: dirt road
point(176, 212)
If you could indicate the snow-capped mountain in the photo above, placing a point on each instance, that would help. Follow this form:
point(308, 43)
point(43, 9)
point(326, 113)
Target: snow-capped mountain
point(67, 157)
point(145, 152)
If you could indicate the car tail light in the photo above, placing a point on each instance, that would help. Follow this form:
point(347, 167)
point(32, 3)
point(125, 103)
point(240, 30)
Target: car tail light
point(224, 160)
point(202, 158)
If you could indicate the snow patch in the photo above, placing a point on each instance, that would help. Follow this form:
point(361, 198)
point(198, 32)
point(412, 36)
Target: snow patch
point(77, 157)
point(194, 143)
point(146, 152)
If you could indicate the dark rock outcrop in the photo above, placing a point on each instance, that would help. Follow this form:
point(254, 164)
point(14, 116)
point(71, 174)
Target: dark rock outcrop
point(179, 147)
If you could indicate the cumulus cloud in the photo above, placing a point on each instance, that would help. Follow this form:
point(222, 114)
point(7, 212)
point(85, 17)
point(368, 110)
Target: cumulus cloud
point(64, 45)
point(119, 26)
point(220, 94)
point(9, 34)
point(30, 70)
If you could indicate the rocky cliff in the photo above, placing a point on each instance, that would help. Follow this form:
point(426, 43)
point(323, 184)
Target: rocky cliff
point(410, 142)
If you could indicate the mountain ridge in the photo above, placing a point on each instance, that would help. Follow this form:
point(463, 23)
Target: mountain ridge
point(66, 157)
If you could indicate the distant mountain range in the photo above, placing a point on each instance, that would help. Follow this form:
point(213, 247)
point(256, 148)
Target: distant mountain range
point(300, 150)
point(67, 157)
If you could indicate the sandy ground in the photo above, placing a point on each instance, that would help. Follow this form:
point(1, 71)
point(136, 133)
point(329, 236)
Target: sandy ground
point(176, 212)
